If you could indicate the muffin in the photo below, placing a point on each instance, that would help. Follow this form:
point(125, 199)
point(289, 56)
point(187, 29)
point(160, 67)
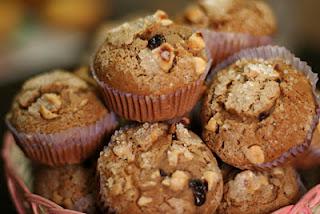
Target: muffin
point(253, 17)
point(259, 112)
point(151, 69)
point(154, 168)
point(232, 25)
point(72, 187)
point(252, 192)
point(57, 119)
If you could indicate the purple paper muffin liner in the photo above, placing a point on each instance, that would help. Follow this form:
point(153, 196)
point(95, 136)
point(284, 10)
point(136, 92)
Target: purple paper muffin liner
point(223, 44)
point(271, 52)
point(153, 108)
point(70, 146)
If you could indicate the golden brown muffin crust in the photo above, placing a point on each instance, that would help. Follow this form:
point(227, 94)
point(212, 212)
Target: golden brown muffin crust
point(256, 110)
point(244, 16)
point(72, 187)
point(151, 56)
point(252, 192)
point(54, 102)
point(146, 169)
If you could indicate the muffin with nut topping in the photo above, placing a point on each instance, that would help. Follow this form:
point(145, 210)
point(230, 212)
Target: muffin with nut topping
point(58, 119)
point(151, 69)
point(250, 192)
point(258, 113)
point(231, 25)
point(253, 17)
point(157, 168)
point(72, 186)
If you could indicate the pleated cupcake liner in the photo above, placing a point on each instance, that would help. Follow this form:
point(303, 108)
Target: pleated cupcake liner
point(272, 52)
point(223, 44)
point(153, 108)
point(70, 146)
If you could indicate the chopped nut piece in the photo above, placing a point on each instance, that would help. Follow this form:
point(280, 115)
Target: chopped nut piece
point(124, 150)
point(212, 125)
point(156, 174)
point(254, 154)
point(143, 201)
point(160, 14)
point(54, 100)
point(84, 102)
point(179, 180)
point(196, 42)
point(212, 178)
point(46, 114)
point(200, 65)
point(164, 55)
point(166, 181)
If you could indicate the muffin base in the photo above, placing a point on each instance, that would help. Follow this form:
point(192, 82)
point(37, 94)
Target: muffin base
point(68, 147)
point(153, 108)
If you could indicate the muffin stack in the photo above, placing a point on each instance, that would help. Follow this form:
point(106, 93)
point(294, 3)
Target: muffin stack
point(57, 119)
point(258, 113)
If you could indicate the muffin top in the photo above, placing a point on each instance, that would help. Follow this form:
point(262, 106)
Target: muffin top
point(72, 187)
point(252, 192)
point(53, 102)
point(151, 55)
point(244, 16)
point(155, 168)
point(256, 110)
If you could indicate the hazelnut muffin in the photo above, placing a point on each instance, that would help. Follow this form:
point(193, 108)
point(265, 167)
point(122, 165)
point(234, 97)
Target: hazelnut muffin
point(253, 17)
point(72, 187)
point(57, 119)
point(250, 192)
point(231, 25)
point(154, 168)
point(259, 112)
point(147, 68)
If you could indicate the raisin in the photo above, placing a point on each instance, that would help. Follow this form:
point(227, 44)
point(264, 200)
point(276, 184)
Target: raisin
point(199, 189)
point(163, 173)
point(174, 136)
point(263, 116)
point(156, 41)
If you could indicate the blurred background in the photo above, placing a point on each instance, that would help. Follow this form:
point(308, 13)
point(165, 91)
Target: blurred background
point(39, 35)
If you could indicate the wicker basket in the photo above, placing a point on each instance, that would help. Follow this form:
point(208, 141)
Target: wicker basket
point(19, 180)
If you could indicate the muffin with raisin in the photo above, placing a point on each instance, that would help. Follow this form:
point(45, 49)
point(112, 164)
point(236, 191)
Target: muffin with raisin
point(259, 113)
point(151, 69)
point(155, 168)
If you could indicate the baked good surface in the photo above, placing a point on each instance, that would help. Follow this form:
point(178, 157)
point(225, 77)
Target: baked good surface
point(154, 168)
point(53, 102)
point(244, 16)
point(72, 187)
point(151, 55)
point(252, 192)
point(256, 110)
